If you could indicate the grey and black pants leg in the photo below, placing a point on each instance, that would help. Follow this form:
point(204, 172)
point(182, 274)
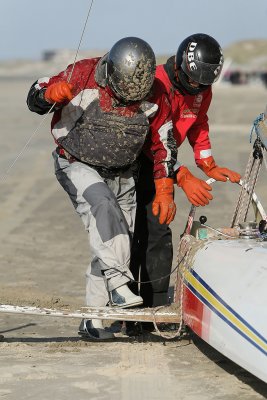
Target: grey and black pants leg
point(107, 208)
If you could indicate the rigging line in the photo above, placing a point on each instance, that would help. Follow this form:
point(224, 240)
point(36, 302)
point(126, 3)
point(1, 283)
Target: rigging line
point(4, 176)
point(153, 280)
point(6, 172)
point(81, 38)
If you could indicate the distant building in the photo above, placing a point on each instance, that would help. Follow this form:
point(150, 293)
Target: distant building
point(48, 55)
point(67, 56)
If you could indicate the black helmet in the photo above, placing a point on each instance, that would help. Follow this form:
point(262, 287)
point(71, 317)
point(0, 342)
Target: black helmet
point(200, 58)
point(131, 66)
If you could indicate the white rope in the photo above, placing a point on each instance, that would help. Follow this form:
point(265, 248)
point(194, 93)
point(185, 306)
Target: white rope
point(264, 159)
point(5, 174)
point(253, 181)
point(243, 192)
point(179, 286)
point(246, 193)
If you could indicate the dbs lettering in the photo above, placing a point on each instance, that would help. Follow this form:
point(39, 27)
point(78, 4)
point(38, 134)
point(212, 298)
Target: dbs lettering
point(191, 55)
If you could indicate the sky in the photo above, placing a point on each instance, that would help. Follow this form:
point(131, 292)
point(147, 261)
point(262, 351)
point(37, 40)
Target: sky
point(29, 27)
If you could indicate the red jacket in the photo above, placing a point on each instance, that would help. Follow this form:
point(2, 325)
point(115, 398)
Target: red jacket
point(97, 130)
point(189, 116)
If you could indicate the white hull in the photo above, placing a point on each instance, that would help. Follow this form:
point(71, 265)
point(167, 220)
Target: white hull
point(225, 299)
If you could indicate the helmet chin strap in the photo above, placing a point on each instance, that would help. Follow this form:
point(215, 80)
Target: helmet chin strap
point(179, 79)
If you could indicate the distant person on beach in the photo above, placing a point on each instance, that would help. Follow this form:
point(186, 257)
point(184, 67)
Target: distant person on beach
point(103, 111)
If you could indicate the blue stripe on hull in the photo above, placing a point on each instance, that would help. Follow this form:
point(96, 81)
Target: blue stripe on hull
point(220, 314)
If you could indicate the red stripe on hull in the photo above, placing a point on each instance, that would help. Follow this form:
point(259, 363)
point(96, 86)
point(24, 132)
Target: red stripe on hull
point(193, 310)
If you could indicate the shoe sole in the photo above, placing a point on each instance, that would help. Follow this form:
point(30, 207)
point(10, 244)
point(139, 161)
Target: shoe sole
point(137, 303)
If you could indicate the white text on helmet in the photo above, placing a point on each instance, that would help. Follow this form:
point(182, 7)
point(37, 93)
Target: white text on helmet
point(191, 56)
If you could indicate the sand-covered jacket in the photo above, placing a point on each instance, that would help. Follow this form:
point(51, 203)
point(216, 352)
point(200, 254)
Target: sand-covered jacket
point(96, 129)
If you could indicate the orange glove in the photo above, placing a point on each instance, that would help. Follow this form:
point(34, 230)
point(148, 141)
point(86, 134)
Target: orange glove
point(163, 204)
point(58, 92)
point(196, 190)
point(212, 170)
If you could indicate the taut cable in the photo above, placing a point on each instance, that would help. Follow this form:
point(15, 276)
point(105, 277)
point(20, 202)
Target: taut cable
point(4, 175)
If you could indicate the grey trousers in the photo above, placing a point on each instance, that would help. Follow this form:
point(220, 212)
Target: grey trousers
point(107, 208)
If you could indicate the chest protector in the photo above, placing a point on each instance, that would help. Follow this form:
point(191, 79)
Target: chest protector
point(106, 138)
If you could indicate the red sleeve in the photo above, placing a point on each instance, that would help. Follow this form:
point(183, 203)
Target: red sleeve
point(160, 145)
point(79, 77)
point(62, 76)
point(198, 135)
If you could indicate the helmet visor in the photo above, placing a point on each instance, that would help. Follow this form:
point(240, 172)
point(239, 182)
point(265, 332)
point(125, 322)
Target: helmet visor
point(203, 73)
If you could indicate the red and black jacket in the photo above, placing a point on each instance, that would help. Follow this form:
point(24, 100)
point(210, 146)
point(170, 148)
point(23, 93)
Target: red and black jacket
point(189, 116)
point(94, 128)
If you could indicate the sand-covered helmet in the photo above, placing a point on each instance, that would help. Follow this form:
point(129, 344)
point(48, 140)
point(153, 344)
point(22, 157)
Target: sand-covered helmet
point(131, 66)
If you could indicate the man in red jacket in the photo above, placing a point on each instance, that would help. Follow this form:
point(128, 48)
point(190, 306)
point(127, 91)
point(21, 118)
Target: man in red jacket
point(187, 79)
point(103, 111)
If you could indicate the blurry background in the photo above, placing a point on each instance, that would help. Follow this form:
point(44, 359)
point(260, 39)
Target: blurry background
point(43, 247)
point(49, 32)
point(39, 39)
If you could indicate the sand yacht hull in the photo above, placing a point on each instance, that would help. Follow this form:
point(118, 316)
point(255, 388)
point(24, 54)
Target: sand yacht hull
point(225, 299)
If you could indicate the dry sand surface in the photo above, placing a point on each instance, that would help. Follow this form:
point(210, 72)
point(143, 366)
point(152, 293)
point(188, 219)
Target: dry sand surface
point(44, 256)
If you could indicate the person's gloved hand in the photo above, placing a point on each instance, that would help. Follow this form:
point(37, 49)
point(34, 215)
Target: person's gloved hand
point(196, 190)
point(58, 92)
point(163, 204)
point(212, 170)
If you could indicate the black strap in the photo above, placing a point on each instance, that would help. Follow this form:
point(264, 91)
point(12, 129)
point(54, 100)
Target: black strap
point(169, 67)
